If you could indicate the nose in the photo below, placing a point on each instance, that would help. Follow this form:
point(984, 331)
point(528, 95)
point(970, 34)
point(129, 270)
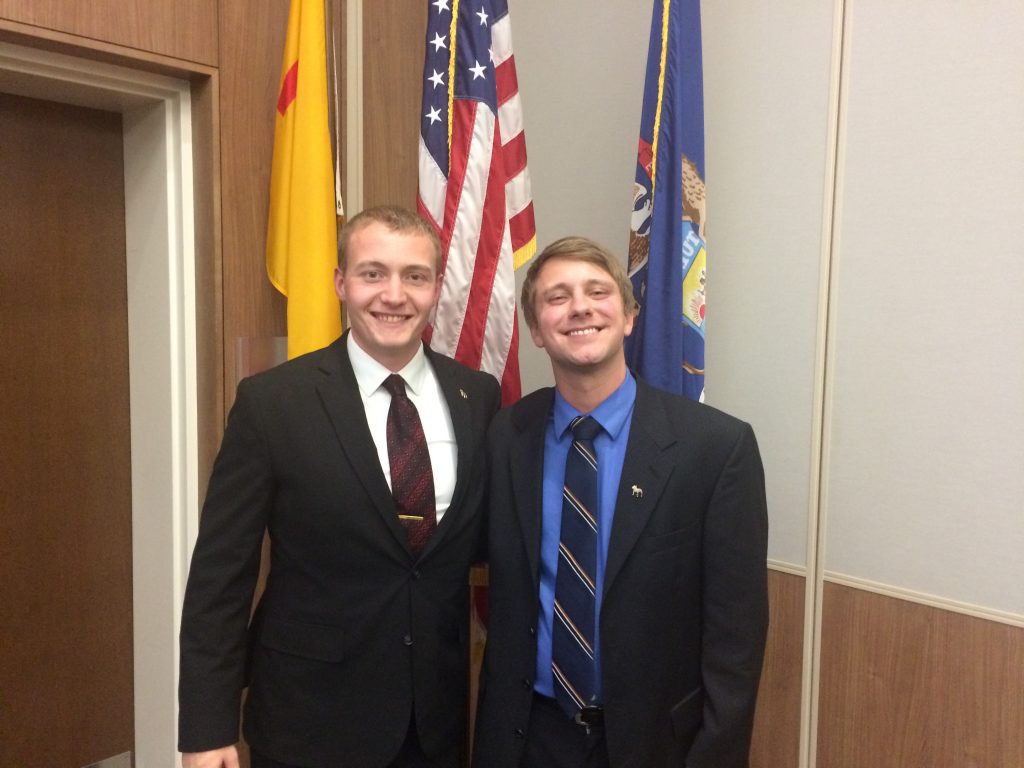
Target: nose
point(579, 304)
point(393, 292)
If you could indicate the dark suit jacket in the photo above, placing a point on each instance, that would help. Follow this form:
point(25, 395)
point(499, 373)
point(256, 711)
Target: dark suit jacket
point(685, 607)
point(352, 631)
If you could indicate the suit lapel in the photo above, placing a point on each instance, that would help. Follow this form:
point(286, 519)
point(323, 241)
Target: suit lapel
point(340, 396)
point(457, 399)
point(526, 467)
point(645, 471)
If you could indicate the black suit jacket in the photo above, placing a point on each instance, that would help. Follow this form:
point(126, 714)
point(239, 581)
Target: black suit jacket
point(352, 631)
point(685, 608)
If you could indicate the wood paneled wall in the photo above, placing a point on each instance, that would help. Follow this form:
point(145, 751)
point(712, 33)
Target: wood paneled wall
point(208, 261)
point(177, 39)
point(182, 29)
point(394, 35)
point(252, 36)
point(904, 684)
point(776, 742)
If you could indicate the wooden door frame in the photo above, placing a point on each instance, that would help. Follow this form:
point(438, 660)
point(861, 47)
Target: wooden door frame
point(160, 247)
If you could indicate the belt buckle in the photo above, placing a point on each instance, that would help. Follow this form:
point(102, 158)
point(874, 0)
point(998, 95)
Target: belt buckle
point(589, 717)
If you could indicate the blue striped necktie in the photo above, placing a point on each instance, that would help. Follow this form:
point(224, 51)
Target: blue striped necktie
point(572, 634)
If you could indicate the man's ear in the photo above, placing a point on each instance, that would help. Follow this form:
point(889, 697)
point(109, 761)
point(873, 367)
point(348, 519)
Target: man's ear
point(339, 283)
point(538, 340)
point(631, 321)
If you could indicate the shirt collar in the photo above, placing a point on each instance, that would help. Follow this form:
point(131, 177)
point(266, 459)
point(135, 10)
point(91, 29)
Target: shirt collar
point(611, 414)
point(370, 374)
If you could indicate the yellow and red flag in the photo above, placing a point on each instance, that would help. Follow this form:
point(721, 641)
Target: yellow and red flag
point(302, 228)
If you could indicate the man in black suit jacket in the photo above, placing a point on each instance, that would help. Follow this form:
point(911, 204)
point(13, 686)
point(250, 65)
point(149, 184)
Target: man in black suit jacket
point(356, 654)
point(681, 524)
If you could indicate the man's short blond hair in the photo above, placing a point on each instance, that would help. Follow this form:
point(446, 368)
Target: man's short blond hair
point(395, 219)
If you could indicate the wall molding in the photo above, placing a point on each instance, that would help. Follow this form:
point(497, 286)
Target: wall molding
point(821, 432)
point(923, 598)
point(783, 567)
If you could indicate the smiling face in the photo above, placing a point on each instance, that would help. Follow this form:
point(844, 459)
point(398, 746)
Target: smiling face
point(580, 319)
point(389, 286)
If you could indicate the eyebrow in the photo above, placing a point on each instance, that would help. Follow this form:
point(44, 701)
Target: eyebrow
point(590, 283)
point(381, 267)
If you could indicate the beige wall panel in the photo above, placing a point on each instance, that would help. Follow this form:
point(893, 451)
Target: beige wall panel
point(766, 131)
point(904, 684)
point(184, 29)
point(777, 722)
point(252, 36)
point(393, 43)
point(925, 450)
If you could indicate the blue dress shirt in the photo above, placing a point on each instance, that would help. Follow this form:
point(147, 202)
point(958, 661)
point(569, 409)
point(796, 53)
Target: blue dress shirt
point(614, 415)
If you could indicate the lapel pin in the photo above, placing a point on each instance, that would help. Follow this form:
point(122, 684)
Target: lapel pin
point(464, 395)
point(638, 492)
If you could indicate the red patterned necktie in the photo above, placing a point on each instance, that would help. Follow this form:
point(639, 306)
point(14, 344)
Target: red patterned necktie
point(412, 480)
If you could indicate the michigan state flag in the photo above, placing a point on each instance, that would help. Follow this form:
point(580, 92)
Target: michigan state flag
point(667, 256)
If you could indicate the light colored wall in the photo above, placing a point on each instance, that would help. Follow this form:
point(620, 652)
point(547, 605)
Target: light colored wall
point(581, 68)
point(766, 95)
point(926, 462)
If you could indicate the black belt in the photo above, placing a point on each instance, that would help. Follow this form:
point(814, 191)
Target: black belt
point(588, 717)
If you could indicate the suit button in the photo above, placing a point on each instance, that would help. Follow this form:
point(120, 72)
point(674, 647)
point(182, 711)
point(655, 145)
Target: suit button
point(533, 631)
point(519, 733)
point(527, 683)
point(407, 640)
point(416, 574)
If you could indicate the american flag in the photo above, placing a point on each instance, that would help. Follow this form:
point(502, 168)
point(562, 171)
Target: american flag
point(473, 183)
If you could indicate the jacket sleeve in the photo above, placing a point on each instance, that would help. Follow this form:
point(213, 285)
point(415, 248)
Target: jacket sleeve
point(221, 581)
point(734, 610)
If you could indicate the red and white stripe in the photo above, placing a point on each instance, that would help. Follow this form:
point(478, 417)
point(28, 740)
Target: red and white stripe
point(484, 214)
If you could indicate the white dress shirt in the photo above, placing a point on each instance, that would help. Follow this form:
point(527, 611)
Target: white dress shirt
point(424, 391)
